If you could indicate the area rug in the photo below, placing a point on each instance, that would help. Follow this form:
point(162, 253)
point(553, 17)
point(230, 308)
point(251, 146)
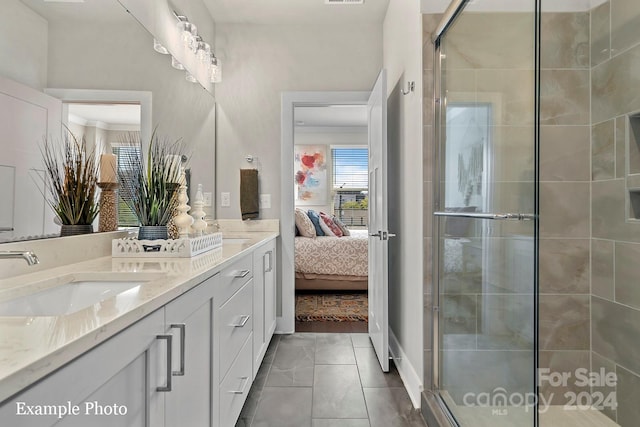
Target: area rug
point(332, 307)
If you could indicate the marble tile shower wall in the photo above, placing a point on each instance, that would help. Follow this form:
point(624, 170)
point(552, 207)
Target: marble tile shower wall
point(565, 164)
point(615, 245)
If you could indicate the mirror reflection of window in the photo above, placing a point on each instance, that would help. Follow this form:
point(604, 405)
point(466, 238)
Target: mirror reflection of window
point(467, 157)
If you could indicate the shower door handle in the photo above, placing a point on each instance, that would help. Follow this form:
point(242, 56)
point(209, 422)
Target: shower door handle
point(488, 215)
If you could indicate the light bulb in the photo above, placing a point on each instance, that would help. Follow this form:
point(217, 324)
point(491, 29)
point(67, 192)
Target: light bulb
point(204, 52)
point(215, 73)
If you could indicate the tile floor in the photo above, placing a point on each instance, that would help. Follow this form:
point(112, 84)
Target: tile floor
point(326, 380)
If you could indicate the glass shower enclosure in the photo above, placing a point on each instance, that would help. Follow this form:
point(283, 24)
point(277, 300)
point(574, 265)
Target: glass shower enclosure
point(486, 212)
point(536, 237)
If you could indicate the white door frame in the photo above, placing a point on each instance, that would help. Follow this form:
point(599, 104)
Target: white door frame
point(290, 100)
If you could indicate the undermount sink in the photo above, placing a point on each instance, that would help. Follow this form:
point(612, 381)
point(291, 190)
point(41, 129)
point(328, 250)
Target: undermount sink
point(233, 240)
point(72, 293)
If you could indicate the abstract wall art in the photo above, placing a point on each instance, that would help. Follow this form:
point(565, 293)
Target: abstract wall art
point(310, 166)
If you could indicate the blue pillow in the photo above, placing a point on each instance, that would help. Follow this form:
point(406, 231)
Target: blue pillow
point(315, 219)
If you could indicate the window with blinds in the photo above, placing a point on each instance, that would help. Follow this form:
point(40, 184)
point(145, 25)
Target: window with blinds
point(350, 168)
point(350, 184)
point(126, 217)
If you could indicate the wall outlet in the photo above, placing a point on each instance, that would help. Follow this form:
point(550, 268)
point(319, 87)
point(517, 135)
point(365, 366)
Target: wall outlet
point(208, 198)
point(265, 201)
point(225, 199)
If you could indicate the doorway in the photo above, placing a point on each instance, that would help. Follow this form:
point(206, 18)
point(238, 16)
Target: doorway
point(331, 199)
point(291, 101)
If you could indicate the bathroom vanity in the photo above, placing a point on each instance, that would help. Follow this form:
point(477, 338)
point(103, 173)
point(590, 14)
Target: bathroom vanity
point(177, 344)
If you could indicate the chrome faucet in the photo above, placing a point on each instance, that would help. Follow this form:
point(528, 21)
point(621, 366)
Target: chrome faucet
point(30, 257)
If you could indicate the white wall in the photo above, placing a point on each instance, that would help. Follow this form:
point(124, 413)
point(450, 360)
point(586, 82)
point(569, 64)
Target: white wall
point(23, 45)
point(329, 138)
point(120, 56)
point(259, 63)
point(402, 57)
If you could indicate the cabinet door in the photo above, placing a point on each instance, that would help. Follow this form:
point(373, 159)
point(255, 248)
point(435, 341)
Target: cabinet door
point(264, 301)
point(270, 290)
point(189, 321)
point(115, 384)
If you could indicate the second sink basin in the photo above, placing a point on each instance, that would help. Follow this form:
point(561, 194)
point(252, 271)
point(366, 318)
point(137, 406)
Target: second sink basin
point(74, 293)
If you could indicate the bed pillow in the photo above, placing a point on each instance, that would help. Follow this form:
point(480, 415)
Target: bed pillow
point(326, 219)
point(315, 219)
point(325, 228)
point(343, 227)
point(304, 224)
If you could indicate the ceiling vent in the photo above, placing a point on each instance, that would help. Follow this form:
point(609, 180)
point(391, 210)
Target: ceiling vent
point(343, 1)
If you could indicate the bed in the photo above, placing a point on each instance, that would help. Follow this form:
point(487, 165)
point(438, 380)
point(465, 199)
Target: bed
point(332, 263)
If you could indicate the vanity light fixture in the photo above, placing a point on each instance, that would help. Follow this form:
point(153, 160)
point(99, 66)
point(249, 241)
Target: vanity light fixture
point(158, 47)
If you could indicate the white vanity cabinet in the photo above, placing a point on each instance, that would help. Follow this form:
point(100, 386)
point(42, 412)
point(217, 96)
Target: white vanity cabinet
point(233, 345)
point(125, 371)
point(189, 363)
point(264, 300)
point(189, 321)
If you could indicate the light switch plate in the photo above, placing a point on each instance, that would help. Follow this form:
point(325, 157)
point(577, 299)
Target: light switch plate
point(225, 199)
point(265, 201)
point(208, 198)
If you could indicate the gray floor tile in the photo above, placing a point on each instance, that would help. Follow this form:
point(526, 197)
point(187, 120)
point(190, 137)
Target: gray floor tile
point(337, 392)
point(361, 340)
point(335, 355)
point(299, 339)
point(332, 339)
point(371, 374)
point(319, 422)
point(292, 365)
point(284, 407)
point(391, 407)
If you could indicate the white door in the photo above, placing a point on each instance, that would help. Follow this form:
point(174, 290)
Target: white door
point(378, 222)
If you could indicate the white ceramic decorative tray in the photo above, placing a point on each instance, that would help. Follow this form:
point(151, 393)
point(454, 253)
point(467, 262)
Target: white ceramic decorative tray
point(172, 248)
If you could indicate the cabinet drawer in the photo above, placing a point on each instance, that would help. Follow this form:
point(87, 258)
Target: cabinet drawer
point(233, 277)
point(236, 385)
point(235, 324)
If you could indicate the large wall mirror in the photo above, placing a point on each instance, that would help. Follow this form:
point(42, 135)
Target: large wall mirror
point(64, 63)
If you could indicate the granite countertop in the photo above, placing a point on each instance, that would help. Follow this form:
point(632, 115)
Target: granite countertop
point(32, 347)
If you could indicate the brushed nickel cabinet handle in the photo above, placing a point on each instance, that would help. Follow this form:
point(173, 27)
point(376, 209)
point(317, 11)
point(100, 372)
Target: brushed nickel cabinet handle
point(243, 321)
point(245, 381)
point(240, 274)
point(182, 328)
point(169, 339)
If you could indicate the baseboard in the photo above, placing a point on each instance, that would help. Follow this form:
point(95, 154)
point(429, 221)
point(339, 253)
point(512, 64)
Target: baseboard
point(412, 381)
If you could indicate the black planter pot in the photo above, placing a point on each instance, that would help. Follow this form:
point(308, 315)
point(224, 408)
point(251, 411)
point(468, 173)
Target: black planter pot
point(75, 230)
point(152, 232)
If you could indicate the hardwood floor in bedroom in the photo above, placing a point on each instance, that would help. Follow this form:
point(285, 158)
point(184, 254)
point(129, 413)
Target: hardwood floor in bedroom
point(336, 327)
point(326, 380)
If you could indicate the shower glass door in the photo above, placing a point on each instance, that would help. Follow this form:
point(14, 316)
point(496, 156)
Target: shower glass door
point(485, 215)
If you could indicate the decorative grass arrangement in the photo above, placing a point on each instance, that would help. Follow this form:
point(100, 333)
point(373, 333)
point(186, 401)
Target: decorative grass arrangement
point(71, 175)
point(149, 187)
